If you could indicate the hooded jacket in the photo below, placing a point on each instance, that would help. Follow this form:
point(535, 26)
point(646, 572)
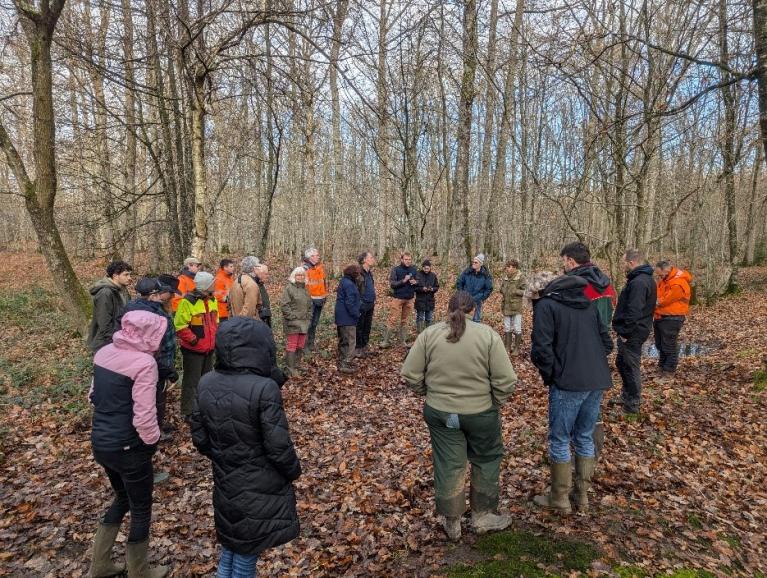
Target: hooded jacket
point(166, 355)
point(673, 294)
point(478, 284)
point(570, 344)
point(109, 300)
point(598, 289)
point(124, 388)
point(427, 287)
point(347, 303)
point(240, 424)
point(636, 304)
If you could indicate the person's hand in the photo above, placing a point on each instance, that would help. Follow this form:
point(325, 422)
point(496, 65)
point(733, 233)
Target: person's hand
point(407, 277)
point(413, 282)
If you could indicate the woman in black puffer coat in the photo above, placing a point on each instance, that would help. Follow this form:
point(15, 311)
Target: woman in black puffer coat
point(239, 423)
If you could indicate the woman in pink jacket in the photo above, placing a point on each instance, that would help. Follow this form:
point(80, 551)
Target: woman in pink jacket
point(124, 438)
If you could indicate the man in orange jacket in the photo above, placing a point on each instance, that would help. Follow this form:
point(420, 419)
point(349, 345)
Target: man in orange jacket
point(186, 280)
point(672, 306)
point(317, 287)
point(221, 286)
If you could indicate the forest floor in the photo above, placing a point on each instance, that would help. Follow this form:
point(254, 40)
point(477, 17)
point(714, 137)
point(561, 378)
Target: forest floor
point(680, 491)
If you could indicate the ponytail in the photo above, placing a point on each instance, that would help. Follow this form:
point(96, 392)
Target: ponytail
point(460, 305)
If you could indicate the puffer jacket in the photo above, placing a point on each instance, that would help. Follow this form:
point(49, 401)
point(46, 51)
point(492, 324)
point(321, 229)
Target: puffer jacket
point(478, 284)
point(347, 303)
point(513, 290)
point(674, 294)
point(196, 322)
point(296, 305)
point(240, 424)
point(109, 300)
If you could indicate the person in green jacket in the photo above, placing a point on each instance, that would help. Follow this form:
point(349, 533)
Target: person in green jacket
point(512, 290)
point(296, 305)
point(465, 373)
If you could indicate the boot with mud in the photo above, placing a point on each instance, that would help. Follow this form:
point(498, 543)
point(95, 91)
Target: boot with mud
point(484, 522)
point(385, 343)
point(558, 497)
point(403, 336)
point(452, 527)
point(584, 470)
point(137, 555)
point(290, 364)
point(101, 552)
point(516, 348)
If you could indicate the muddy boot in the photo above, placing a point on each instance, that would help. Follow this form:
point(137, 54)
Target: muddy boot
point(138, 562)
point(345, 367)
point(403, 336)
point(419, 327)
point(484, 522)
point(558, 496)
point(290, 364)
point(584, 470)
point(385, 343)
point(516, 348)
point(101, 552)
point(452, 528)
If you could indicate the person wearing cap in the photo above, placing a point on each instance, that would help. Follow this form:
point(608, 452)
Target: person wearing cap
point(186, 280)
point(245, 294)
point(477, 281)
point(427, 285)
point(196, 324)
point(222, 284)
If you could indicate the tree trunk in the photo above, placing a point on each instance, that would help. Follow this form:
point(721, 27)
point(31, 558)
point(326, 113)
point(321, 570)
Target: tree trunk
point(197, 110)
point(760, 46)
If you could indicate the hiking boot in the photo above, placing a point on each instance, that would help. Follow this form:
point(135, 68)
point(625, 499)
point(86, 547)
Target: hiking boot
point(344, 367)
point(452, 528)
point(101, 552)
point(484, 522)
point(516, 348)
point(385, 344)
point(138, 562)
point(558, 496)
point(584, 470)
point(290, 364)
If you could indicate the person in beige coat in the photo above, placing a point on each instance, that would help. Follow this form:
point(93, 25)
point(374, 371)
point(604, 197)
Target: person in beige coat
point(245, 294)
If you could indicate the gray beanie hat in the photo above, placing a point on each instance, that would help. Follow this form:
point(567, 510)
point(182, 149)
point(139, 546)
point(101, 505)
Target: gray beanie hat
point(480, 258)
point(203, 280)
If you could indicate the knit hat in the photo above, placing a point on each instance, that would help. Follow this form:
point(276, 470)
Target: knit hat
point(426, 263)
point(203, 280)
point(191, 261)
point(480, 258)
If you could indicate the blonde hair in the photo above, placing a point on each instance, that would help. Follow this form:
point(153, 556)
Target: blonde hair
point(294, 272)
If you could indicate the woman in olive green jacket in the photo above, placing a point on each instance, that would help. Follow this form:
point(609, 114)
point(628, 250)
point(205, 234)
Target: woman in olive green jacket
point(296, 304)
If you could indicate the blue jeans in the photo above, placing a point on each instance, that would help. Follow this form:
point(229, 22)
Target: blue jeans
point(572, 417)
point(427, 316)
point(232, 565)
point(477, 311)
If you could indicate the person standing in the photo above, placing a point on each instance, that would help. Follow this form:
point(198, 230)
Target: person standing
point(192, 266)
point(569, 347)
point(347, 315)
point(124, 438)
point(426, 287)
point(464, 372)
point(512, 290)
point(245, 294)
point(477, 281)
point(110, 296)
point(632, 322)
point(317, 286)
point(366, 262)
point(296, 305)
point(265, 310)
point(402, 283)
point(196, 323)
point(239, 424)
point(222, 284)
point(672, 306)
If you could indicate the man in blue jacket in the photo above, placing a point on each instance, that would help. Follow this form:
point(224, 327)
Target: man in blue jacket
point(402, 282)
point(477, 282)
point(366, 261)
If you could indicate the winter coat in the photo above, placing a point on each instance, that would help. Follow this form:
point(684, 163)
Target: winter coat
point(316, 280)
point(245, 297)
point(196, 322)
point(367, 290)
point(570, 344)
point(124, 387)
point(296, 305)
point(185, 285)
point(427, 286)
point(109, 299)
point(633, 315)
point(222, 284)
point(166, 355)
point(478, 284)
point(598, 289)
point(265, 310)
point(347, 303)
point(402, 289)
point(240, 424)
point(673, 294)
point(512, 290)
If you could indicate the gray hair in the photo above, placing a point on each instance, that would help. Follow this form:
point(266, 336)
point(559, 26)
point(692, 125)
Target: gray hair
point(310, 251)
point(249, 263)
point(634, 255)
point(296, 271)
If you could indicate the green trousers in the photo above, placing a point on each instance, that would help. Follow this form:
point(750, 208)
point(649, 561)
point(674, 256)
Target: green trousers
point(456, 438)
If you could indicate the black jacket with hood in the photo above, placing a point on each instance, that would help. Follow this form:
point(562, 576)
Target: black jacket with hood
point(241, 426)
point(636, 304)
point(570, 345)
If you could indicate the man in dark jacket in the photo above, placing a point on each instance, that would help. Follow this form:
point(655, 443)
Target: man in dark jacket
point(110, 296)
point(477, 282)
point(570, 346)
point(366, 261)
point(402, 282)
point(240, 424)
point(347, 316)
point(632, 322)
point(426, 287)
point(265, 311)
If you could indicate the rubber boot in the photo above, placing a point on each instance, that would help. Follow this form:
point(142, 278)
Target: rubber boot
point(419, 326)
point(344, 367)
point(101, 552)
point(452, 528)
point(299, 359)
point(137, 555)
point(290, 363)
point(517, 347)
point(403, 336)
point(507, 342)
point(484, 522)
point(385, 343)
point(584, 470)
point(558, 497)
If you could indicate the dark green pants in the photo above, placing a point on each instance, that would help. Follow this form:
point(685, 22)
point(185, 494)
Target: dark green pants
point(456, 438)
point(195, 366)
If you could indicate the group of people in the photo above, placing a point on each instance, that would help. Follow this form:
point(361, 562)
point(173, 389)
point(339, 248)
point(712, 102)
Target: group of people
point(462, 366)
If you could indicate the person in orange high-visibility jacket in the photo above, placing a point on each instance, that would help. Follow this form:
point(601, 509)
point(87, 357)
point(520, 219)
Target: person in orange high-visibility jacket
point(673, 304)
point(317, 287)
point(186, 280)
point(222, 284)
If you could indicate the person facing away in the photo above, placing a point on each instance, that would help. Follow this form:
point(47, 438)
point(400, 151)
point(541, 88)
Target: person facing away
point(569, 347)
point(245, 294)
point(671, 308)
point(426, 288)
point(110, 296)
point(632, 322)
point(477, 281)
point(265, 310)
point(402, 283)
point(317, 286)
point(463, 370)
point(222, 284)
point(296, 306)
point(192, 266)
point(239, 424)
point(512, 290)
point(366, 261)
point(124, 438)
point(347, 314)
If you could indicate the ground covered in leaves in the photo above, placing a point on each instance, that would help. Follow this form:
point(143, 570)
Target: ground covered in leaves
point(680, 491)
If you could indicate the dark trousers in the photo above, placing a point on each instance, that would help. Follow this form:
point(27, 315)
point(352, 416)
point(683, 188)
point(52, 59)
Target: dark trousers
point(666, 330)
point(346, 343)
point(130, 474)
point(195, 366)
point(627, 362)
point(364, 325)
point(317, 305)
point(161, 397)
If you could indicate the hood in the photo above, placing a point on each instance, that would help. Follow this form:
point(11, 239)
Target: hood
point(141, 331)
point(679, 274)
point(568, 290)
point(593, 275)
point(245, 345)
point(107, 283)
point(645, 269)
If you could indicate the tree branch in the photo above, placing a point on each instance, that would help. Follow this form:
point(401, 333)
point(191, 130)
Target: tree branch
point(16, 163)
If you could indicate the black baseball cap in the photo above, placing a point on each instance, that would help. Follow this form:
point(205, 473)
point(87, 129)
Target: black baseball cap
point(152, 286)
point(170, 281)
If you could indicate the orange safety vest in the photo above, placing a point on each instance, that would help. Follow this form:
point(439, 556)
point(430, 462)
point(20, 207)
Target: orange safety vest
point(674, 294)
point(316, 283)
point(221, 286)
point(185, 285)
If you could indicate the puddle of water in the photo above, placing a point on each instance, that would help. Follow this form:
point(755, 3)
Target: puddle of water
point(685, 350)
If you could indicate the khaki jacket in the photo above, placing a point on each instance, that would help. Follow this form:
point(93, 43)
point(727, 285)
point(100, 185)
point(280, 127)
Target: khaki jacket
point(244, 297)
